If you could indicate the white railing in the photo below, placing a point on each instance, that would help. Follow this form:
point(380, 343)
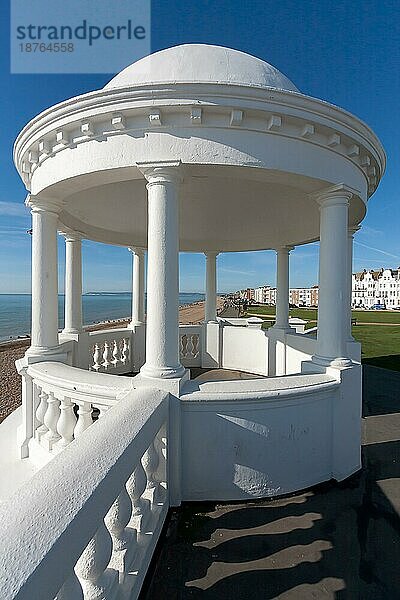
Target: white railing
point(67, 400)
point(110, 351)
point(190, 344)
point(86, 525)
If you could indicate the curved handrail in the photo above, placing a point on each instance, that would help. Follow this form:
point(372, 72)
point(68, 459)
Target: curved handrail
point(42, 540)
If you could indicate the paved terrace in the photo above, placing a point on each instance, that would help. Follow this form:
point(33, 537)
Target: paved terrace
point(336, 541)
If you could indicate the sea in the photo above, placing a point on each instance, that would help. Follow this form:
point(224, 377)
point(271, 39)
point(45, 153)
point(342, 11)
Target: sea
point(15, 310)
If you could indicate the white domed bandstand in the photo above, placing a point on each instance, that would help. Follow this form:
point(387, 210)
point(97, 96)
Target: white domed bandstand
point(196, 149)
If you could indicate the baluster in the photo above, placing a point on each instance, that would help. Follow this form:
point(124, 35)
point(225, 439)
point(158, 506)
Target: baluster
point(125, 352)
point(184, 342)
point(102, 409)
point(96, 580)
point(136, 486)
point(40, 413)
point(106, 356)
point(160, 444)
point(151, 461)
point(96, 357)
point(195, 344)
point(115, 354)
point(118, 518)
point(71, 590)
point(50, 420)
point(84, 418)
point(190, 350)
point(124, 539)
point(66, 423)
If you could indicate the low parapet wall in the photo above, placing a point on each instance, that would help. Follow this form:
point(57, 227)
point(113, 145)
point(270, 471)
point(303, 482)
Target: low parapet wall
point(258, 438)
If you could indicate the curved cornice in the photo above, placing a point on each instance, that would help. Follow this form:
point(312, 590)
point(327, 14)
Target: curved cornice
point(271, 111)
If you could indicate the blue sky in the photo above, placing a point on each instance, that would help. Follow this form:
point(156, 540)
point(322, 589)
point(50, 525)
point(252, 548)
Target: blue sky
point(345, 52)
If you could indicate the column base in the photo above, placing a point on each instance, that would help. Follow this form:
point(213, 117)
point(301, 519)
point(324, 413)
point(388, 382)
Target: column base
point(282, 328)
point(174, 385)
point(162, 372)
point(71, 331)
point(133, 324)
point(44, 353)
point(326, 361)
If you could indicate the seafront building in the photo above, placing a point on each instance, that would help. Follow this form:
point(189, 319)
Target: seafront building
point(376, 288)
point(267, 295)
point(121, 425)
point(369, 288)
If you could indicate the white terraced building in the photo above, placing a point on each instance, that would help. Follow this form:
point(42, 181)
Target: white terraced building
point(265, 295)
point(115, 427)
point(298, 296)
point(376, 287)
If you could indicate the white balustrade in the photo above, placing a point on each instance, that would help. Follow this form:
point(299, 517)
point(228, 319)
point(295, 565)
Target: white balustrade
point(40, 413)
point(110, 351)
point(136, 487)
point(106, 356)
point(91, 534)
point(96, 580)
point(51, 418)
point(190, 337)
point(66, 423)
point(63, 410)
point(124, 538)
point(96, 358)
point(85, 418)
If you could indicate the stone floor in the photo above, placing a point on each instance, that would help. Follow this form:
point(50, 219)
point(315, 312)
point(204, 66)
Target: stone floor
point(335, 541)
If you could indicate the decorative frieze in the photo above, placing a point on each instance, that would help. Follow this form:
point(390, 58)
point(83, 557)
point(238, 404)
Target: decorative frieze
point(196, 115)
point(365, 161)
point(33, 156)
point(333, 140)
point(118, 122)
point(254, 120)
point(155, 118)
point(274, 123)
point(87, 129)
point(236, 117)
point(307, 131)
point(26, 167)
point(353, 150)
point(62, 138)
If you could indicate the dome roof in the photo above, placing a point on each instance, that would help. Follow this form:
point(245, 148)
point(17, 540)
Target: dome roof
point(202, 63)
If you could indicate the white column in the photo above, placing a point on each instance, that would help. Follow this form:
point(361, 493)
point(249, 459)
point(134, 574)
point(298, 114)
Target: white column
point(73, 283)
point(44, 334)
point(333, 277)
point(211, 287)
point(282, 288)
point(162, 354)
point(137, 286)
point(350, 238)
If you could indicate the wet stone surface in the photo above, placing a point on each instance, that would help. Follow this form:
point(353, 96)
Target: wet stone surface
point(337, 541)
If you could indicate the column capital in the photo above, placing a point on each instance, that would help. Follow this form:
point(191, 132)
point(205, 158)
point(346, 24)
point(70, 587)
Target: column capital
point(70, 235)
point(211, 254)
point(136, 250)
point(161, 172)
point(45, 205)
point(353, 229)
point(337, 194)
point(285, 249)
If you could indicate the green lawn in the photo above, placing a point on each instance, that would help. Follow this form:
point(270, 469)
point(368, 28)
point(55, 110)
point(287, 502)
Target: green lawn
point(380, 343)
point(310, 314)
